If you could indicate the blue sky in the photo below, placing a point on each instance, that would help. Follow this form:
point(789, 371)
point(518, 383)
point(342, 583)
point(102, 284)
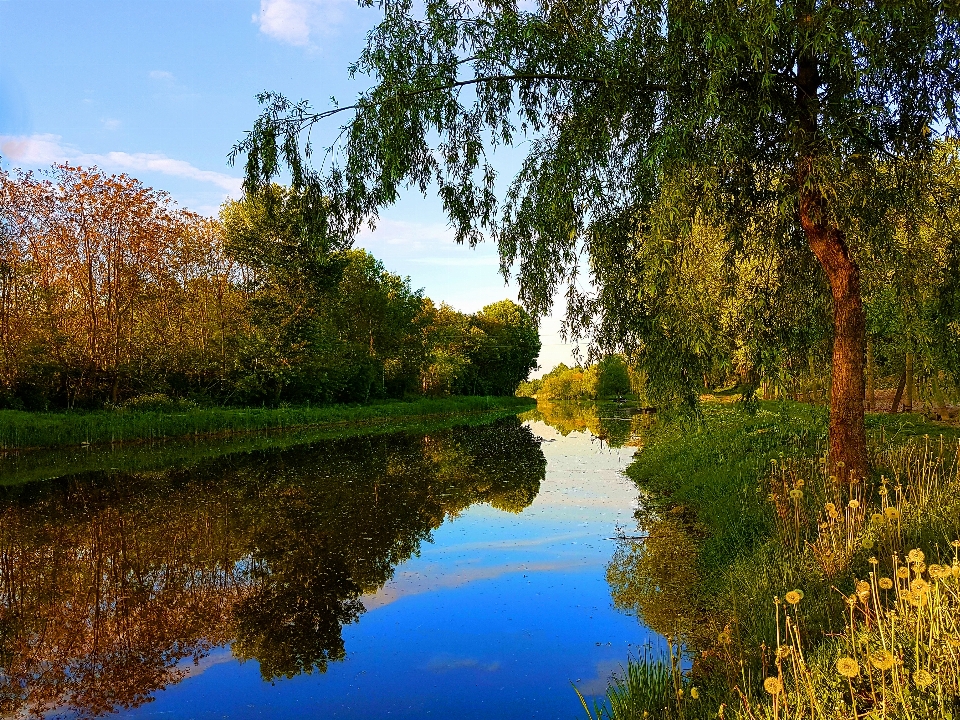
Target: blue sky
point(161, 89)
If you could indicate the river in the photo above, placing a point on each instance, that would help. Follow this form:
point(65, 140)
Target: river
point(454, 573)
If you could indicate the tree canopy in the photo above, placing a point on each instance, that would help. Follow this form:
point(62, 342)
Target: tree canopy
point(791, 128)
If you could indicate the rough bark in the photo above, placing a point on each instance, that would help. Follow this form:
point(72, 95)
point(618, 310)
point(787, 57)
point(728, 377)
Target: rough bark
point(848, 443)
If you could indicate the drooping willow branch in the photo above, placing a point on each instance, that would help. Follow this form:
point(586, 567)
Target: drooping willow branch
point(301, 119)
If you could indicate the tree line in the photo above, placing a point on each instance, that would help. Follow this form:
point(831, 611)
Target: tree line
point(111, 293)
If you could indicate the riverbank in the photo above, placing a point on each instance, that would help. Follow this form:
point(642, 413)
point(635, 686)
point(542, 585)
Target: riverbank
point(793, 593)
point(31, 430)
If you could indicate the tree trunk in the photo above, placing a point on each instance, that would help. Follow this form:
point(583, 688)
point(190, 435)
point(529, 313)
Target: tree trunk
point(908, 371)
point(899, 393)
point(848, 443)
point(871, 380)
point(848, 440)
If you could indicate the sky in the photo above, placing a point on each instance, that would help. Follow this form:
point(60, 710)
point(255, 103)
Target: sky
point(161, 90)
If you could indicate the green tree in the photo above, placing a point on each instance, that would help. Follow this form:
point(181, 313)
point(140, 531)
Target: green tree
point(507, 350)
point(613, 377)
point(640, 118)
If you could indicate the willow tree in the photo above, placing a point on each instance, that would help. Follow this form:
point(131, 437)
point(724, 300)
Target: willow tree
point(640, 120)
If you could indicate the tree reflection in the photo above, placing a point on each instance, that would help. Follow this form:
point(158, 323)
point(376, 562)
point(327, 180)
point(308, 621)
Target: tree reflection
point(110, 584)
point(617, 426)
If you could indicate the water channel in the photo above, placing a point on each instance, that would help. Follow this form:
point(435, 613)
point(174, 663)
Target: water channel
point(454, 573)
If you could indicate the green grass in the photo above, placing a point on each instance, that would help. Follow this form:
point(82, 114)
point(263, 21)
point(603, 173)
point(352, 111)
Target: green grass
point(17, 468)
point(27, 430)
point(710, 480)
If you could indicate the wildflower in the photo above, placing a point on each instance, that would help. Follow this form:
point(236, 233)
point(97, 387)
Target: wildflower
point(773, 685)
point(867, 542)
point(830, 507)
point(878, 519)
point(892, 513)
point(920, 586)
point(919, 567)
point(848, 667)
point(793, 597)
point(915, 556)
point(939, 571)
point(873, 561)
point(853, 504)
point(956, 543)
point(694, 693)
point(863, 590)
point(885, 583)
point(955, 570)
point(796, 494)
point(724, 638)
point(841, 465)
point(833, 514)
point(922, 679)
point(903, 573)
point(784, 651)
point(882, 659)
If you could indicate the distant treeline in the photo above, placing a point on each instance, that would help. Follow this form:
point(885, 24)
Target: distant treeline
point(109, 293)
point(610, 378)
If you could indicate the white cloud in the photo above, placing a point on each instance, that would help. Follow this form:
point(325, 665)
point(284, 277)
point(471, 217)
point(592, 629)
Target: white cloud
point(111, 123)
point(38, 150)
point(295, 21)
point(161, 75)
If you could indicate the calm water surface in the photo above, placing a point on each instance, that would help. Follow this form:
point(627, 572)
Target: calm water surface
point(459, 573)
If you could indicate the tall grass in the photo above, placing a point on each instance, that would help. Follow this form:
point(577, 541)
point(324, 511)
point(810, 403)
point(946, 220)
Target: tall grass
point(23, 430)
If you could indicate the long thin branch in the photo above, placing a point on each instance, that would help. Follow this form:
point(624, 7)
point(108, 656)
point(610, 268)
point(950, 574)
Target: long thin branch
point(310, 119)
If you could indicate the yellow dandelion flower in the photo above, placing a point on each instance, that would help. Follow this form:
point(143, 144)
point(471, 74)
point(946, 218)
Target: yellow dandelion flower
point(830, 507)
point(903, 573)
point(796, 494)
point(848, 667)
point(919, 567)
point(773, 685)
point(853, 504)
point(873, 561)
point(920, 585)
point(892, 513)
point(793, 597)
point(695, 693)
point(938, 571)
point(833, 514)
point(867, 543)
point(885, 583)
point(922, 679)
point(863, 590)
point(915, 556)
point(878, 519)
point(882, 659)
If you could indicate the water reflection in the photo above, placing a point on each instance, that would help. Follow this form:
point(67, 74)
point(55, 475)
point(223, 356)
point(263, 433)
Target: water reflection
point(110, 581)
point(616, 425)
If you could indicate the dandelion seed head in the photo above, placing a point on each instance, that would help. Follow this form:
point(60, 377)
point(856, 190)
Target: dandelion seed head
point(773, 685)
point(882, 659)
point(848, 667)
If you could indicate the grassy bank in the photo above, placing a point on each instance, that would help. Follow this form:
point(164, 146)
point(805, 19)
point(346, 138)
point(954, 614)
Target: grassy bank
point(794, 594)
point(28, 430)
point(17, 468)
